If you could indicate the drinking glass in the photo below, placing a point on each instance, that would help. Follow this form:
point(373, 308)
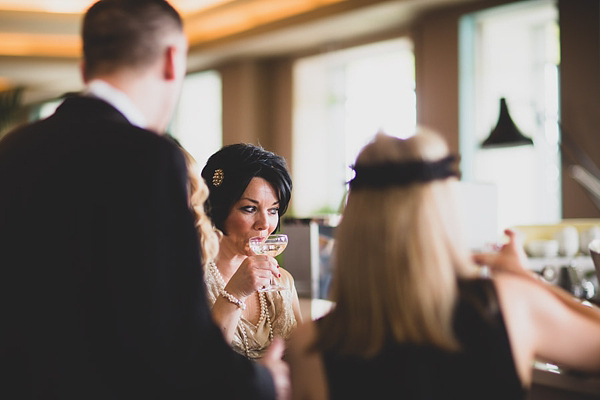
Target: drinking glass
point(272, 245)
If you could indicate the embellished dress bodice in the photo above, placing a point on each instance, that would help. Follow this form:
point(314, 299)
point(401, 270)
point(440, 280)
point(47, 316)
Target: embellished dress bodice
point(252, 340)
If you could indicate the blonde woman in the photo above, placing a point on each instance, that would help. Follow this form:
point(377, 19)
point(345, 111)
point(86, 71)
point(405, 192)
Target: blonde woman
point(412, 315)
point(198, 194)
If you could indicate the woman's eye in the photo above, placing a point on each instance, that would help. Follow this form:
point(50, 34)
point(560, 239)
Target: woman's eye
point(274, 211)
point(248, 209)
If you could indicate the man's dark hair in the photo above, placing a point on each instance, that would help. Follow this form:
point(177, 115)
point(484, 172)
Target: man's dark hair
point(125, 33)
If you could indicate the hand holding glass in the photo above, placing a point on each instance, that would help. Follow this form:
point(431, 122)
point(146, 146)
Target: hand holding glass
point(272, 245)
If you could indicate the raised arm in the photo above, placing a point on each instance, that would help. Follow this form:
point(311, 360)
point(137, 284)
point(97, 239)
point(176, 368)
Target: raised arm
point(543, 326)
point(511, 258)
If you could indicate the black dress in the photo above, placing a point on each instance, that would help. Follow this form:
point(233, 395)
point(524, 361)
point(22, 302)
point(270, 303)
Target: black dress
point(483, 369)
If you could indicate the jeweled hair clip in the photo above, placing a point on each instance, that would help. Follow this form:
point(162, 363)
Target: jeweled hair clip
point(218, 177)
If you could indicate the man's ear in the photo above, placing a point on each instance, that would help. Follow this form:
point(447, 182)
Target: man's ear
point(83, 72)
point(169, 67)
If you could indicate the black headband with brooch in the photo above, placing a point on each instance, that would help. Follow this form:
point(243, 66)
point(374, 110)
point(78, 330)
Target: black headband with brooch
point(402, 173)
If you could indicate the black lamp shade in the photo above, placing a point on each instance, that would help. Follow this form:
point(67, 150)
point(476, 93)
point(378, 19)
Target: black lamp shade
point(505, 133)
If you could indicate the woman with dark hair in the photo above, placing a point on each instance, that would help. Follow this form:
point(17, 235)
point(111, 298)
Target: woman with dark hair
point(249, 190)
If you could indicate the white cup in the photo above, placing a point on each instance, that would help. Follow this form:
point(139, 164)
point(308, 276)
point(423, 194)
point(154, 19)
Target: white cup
point(568, 241)
point(588, 237)
point(542, 248)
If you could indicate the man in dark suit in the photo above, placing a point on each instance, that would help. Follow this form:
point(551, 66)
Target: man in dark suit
point(101, 288)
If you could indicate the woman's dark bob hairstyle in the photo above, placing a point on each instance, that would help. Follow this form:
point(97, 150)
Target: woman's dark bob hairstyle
point(229, 171)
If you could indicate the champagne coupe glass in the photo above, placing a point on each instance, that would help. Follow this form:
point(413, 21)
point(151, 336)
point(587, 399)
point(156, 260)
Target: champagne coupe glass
point(272, 245)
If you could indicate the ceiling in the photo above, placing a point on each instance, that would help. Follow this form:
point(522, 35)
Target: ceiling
point(40, 46)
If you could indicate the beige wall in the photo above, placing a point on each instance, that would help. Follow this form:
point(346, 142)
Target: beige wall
point(257, 103)
point(580, 93)
point(243, 102)
point(436, 69)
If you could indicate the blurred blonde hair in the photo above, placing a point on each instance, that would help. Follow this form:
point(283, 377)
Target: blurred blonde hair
point(398, 254)
point(198, 193)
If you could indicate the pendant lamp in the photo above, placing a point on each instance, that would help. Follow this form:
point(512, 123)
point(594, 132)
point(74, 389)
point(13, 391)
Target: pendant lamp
point(505, 133)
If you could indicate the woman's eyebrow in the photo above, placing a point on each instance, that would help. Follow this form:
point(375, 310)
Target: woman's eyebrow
point(249, 199)
point(276, 202)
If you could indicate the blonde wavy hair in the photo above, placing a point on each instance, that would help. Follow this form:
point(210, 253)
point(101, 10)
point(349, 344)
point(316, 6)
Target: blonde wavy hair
point(198, 193)
point(397, 257)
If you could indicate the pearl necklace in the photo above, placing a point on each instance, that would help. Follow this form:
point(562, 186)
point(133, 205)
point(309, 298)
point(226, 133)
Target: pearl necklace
point(264, 312)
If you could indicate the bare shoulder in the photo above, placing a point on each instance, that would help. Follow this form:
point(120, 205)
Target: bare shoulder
point(303, 337)
point(306, 365)
point(518, 298)
point(523, 301)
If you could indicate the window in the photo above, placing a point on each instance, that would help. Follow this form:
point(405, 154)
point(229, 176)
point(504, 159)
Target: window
point(46, 109)
point(197, 120)
point(513, 52)
point(341, 100)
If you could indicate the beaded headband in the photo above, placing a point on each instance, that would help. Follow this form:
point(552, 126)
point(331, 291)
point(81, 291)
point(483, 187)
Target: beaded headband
point(402, 173)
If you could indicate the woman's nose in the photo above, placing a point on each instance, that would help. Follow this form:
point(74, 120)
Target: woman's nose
point(261, 222)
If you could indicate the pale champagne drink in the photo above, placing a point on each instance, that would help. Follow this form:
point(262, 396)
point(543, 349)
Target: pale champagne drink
point(272, 245)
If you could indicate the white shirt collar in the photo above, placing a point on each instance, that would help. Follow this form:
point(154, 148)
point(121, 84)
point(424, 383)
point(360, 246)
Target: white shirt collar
point(119, 100)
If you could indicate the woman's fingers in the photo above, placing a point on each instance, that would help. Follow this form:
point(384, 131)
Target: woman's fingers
point(509, 257)
point(266, 263)
point(256, 272)
point(482, 258)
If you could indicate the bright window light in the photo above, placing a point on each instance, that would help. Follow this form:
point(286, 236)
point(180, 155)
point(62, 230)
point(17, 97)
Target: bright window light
point(197, 121)
point(341, 100)
point(514, 53)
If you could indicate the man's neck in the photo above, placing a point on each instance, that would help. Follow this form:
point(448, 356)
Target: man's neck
point(104, 90)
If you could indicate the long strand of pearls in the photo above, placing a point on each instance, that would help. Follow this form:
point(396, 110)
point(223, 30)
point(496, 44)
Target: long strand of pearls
point(264, 312)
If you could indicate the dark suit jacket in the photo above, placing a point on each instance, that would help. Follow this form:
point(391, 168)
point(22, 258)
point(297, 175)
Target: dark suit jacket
point(101, 288)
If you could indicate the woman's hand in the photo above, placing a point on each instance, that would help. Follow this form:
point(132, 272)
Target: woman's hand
point(254, 273)
point(510, 257)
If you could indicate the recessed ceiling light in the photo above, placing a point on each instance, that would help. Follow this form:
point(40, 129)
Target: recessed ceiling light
point(79, 6)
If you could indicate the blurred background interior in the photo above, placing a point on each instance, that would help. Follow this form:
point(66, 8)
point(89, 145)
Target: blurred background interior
point(314, 80)
point(514, 86)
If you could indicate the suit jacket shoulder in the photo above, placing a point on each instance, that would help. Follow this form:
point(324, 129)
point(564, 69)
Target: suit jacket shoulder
point(101, 286)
